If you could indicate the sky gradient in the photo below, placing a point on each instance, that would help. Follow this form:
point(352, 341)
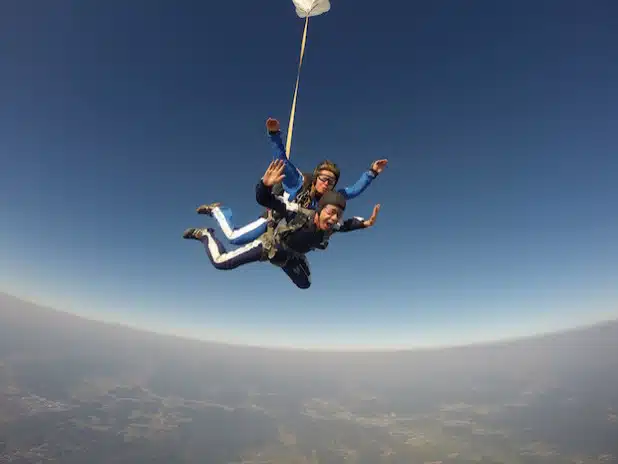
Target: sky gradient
point(499, 120)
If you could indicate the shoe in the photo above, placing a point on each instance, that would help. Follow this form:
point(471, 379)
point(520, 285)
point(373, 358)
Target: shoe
point(193, 233)
point(207, 209)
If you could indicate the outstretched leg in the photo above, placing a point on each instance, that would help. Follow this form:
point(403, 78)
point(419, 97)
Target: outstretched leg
point(299, 272)
point(236, 236)
point(219, 257)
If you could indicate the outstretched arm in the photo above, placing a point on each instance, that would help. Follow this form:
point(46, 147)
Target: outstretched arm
point(365, 180)
point(293, 177)
point(356, 223)
point(354, 190)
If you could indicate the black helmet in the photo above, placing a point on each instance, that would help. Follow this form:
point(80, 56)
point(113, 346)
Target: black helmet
point(332, 198)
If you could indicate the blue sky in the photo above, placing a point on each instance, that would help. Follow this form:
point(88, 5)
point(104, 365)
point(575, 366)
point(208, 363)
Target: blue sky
point(499, 119)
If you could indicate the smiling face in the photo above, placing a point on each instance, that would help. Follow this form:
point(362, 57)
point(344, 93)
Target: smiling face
point(324, 181)
point(328, 217)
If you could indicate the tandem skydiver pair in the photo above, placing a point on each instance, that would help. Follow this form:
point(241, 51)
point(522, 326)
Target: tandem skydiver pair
point(303, 211)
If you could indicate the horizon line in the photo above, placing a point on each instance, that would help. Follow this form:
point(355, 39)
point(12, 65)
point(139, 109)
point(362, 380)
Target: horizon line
point(287, 348)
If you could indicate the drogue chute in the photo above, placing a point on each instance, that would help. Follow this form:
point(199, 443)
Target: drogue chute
point(305, 8)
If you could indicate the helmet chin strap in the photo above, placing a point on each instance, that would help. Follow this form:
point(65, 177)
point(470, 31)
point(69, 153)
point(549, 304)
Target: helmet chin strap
point(316, 220)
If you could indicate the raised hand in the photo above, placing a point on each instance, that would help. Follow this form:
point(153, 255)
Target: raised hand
point(272, 125)
point(379, 165)
point(371, 221)
point(274, 174)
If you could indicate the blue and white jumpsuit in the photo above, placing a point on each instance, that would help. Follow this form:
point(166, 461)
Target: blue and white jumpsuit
point(292, 185)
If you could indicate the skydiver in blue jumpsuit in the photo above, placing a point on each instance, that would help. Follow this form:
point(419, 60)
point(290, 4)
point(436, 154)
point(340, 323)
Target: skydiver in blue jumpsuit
point(300, 188)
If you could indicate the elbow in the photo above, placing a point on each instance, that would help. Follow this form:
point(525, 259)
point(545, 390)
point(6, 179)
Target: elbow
point(352, 192)
point(260, 200)
point(260, 193)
